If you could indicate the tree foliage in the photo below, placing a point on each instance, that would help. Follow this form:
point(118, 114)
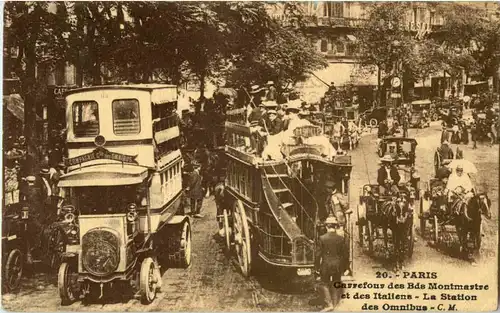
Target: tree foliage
point(472, 39)
point(383, 38)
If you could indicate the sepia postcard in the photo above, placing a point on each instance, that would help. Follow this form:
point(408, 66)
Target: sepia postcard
point(250, 156)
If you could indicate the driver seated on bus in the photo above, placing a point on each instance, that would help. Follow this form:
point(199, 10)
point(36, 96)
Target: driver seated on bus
point(388, 176)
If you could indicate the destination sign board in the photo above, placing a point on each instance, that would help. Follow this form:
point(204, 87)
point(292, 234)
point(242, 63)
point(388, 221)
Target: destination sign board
point(101, 153)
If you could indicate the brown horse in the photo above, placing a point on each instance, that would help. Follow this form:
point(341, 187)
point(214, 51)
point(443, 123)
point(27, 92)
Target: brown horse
point(468, 221)
point(398, 217)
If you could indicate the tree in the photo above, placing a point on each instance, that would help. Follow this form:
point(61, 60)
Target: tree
point(427, 58)
point(37, 34)
point(284, 56)
point(384, 40)
point(472, 38)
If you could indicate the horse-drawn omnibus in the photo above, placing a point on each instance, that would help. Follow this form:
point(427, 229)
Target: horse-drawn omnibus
point(122, 190)
point(273, 208)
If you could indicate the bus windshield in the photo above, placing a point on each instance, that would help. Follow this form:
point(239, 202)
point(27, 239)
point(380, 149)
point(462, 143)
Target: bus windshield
point(107, 199)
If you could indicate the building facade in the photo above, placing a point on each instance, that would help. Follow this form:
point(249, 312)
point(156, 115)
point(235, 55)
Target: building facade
point(332, 28)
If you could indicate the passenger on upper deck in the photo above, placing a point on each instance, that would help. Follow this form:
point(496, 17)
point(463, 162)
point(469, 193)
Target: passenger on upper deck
point(274, 124)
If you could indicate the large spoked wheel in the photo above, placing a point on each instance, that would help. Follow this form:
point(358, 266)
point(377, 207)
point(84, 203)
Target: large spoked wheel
point(360, 233)
point(179, 246)
point(185, 245)
point(410, 242)
point(13, 270)
point(227, 229)
point(148, 281)
point(437, 162)
point(242, 242)
point(436, 229)
point(370, 236)
point(421, 216)
point(67, 283)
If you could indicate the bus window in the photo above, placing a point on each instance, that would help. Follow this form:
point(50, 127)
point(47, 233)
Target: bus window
point(126, 117)
point(85, 119)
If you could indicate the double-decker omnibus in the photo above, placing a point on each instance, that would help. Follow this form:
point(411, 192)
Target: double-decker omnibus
point(122, 190)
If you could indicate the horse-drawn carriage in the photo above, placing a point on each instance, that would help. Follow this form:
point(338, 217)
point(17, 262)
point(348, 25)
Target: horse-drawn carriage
point(272, 209)
point(26, 238)
point(350, 137)
point(456, 215)
point(401, 148)
point(439, 161)
point(420, 113)
point(13, 251)
point(381, 209)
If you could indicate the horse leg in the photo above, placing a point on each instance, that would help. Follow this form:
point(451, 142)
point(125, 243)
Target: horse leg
point(462, 239)
point(386, 241)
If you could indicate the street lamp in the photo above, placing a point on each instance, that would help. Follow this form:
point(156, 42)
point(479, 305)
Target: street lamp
point(395, 45)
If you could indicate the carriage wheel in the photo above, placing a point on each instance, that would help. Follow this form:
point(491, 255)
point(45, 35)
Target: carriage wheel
point(373, 122)
point(360, 234)
point(422, 218)
point(242, 243)
point(437, 162)
point(370, 236)
point(67, 283)
point(227, 229)
point(411, 242)
point(436, 229)
point(13, 270)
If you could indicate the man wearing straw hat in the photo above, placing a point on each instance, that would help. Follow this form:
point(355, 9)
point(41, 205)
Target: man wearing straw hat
point(271, 91)
point(388, 176)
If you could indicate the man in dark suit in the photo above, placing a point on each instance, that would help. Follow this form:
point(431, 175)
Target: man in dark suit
point(445, 152)
point(383, 129)
point(332, 259)
point(388, 176)
point(274, 124)
point(194, 190)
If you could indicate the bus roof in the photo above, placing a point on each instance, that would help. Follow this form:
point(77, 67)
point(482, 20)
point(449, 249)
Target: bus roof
point(142, 87)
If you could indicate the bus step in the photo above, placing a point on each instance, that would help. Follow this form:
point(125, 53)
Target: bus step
point(276, 175)
point(281, 190)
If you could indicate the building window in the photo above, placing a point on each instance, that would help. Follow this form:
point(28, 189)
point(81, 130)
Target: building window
point(85, 119)
point(324, 45)
point(351, 49)
point(333, 9)
point(339, 47)
point(126, 117)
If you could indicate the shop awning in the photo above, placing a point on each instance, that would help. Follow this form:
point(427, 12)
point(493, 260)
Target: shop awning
point(351, 37)
point(15, 105)
point(104, 175)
